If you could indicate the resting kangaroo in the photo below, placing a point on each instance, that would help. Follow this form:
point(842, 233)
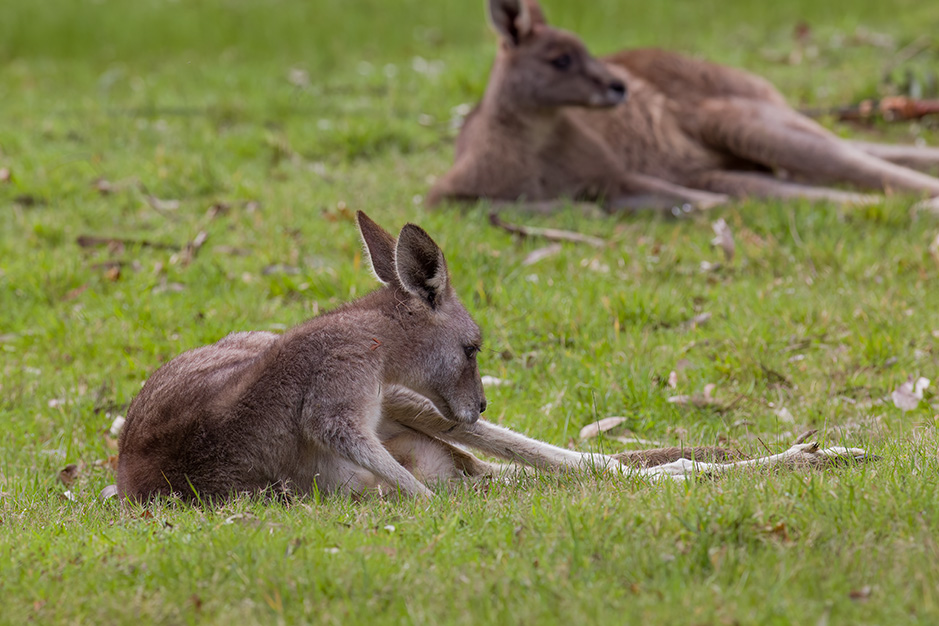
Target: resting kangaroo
point(377, 394)
point(555, 123)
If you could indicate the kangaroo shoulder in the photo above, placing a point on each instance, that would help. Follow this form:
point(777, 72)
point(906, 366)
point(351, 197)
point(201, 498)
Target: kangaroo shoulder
point(683, 77)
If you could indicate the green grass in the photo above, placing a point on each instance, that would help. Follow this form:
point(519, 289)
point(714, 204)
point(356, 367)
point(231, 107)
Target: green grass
point(292, 114)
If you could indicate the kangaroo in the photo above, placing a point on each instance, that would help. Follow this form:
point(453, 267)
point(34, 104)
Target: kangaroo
point(259, 410)
point(555, 124)
point(383, 394)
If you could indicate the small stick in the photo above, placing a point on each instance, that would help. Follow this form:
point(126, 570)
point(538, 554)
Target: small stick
point(891, 109)
point(551, 234)
point(93, 241)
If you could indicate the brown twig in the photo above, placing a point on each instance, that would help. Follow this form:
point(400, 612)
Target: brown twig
point(93, 241)
point(891, 109)
point(551, 234)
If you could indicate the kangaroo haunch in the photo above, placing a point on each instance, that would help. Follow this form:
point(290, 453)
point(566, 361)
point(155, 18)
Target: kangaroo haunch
point(259, 410)
point(650, 128)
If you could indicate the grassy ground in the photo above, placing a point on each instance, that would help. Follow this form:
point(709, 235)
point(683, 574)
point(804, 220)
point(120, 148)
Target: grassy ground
point(133, 119)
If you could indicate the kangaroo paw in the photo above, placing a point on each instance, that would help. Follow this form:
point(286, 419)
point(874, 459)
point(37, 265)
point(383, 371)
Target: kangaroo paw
point(927, 206)
point(810, 454)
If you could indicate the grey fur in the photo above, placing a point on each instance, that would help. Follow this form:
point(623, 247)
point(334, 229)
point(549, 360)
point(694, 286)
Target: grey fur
point(258, 410)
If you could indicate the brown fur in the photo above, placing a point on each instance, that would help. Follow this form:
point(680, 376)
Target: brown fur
point(689, 131)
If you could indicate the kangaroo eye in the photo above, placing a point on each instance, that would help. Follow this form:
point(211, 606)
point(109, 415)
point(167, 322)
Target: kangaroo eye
point(562, 61)
point(470, 351)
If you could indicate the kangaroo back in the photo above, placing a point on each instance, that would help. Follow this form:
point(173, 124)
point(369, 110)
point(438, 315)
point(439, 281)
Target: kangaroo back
point(259, 410)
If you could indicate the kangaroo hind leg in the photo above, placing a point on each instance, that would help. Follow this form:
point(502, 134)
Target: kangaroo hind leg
point(779, 138)
point(760, 185)
point(923, 158)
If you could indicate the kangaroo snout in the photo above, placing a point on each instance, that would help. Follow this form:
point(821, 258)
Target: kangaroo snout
point(616, 92)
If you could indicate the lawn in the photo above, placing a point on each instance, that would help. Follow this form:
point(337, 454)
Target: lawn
point(174, 171)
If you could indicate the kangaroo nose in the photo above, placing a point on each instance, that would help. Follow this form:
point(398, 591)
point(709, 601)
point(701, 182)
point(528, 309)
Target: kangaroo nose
point(616, 90)
point(482, 406)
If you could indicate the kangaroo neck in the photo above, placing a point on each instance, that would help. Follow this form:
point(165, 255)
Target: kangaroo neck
point(505, 111)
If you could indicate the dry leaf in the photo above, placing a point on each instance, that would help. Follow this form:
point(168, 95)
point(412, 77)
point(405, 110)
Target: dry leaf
point(724, 238)
point(785, 416)
point(110, 463)
point(161, 205)
point(5, 174)
point(672, 379)
point(906, 397)
point(117, 425)
point(696, 321)
point(698, 399)
point(541, 253)
point(595, 428)
point(69, 474)
point(860, 594)
point(778, 530)
point(74, 293)
point(108, 492)
point(298, 77)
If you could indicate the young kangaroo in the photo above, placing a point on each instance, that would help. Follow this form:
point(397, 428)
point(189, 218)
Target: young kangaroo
point(378, 394)
point(556, 123)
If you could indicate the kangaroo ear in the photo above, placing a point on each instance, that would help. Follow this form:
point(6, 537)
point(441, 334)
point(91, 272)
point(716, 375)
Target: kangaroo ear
point(421, 267)
point(380, 246)
point(511, 19)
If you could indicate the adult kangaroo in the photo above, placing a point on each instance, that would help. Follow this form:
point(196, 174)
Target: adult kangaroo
point(259, 410)
point(555, 123)
point(383, 393)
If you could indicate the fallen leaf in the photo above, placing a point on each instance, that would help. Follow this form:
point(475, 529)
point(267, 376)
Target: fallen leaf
point(601, 426)
point(110, 463)
point(673, 379)
point(108, 492)
point(5, 174)
point(696, 321)
point(778, 530)
point(160, 205)
point(723, 238)
point(541, 253)
point(906, 397)
point(166, 286)
point(298, 77)
point(785, 416)
point(103, 186)
point(861, 594)
point(68, 495)
point(117, 425)
point(74, 293)
point(69, 474)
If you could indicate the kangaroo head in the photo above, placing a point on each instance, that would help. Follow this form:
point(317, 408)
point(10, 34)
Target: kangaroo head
point(548, 67)
point(435, 350)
